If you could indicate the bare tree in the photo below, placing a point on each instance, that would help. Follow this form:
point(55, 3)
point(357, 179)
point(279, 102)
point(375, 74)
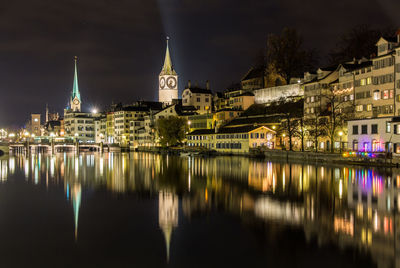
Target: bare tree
point(286, 53)
point(315, 129)
point(338, 111)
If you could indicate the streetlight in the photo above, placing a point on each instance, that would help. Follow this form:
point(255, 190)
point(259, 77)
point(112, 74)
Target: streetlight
point(94, 111)
point(340, 139)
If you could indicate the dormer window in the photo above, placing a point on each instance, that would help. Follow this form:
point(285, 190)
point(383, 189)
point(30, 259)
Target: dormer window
point(382, 48)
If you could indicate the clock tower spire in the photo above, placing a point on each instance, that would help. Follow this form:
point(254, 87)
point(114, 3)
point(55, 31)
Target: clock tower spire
point(76, 96)
point(168, 80)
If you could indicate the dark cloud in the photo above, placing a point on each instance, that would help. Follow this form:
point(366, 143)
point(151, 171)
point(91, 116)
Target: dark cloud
point(121, 43)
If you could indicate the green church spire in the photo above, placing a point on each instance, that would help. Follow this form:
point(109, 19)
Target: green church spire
point(75, 90)
point(168, 69)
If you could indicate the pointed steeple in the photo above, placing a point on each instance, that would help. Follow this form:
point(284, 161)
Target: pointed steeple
point(75, 90)
point(168, 69)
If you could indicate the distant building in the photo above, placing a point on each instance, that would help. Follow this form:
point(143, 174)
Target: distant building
point(257, 78)
point(77, 124)
point(34, 125)
point(242, 101)
point(272, 94)
point(168, 81)
point(201, 98)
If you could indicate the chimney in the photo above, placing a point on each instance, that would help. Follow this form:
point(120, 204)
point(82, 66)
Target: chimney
point(398, 35)
point(208, 85)
point(189, 84)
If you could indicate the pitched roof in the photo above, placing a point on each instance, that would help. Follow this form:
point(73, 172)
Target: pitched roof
point(247, 93)
point(203, 131)
point(253, 73)
point(241, 129)
point(199, 90)
point(251, 120)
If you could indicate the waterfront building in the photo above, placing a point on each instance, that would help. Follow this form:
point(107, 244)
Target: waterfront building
point(201, 98)
point(147, 135)
point(233, 139)
point(168, 80)
point(100, 128)
point(78, 125)
point(381, 134)
point(110, 127)
point(136, 126)
point(122, 118)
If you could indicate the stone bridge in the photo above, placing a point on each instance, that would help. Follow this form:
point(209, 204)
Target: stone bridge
point(53, 147)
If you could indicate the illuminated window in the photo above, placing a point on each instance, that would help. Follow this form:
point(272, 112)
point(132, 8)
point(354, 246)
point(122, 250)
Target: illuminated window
point(369, 107)
point(385, 94)
point(369, 81)
point(363, 82)
point(376, 95)
point(388, 127)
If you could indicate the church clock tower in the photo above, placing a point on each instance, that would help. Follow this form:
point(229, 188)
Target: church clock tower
point(75, 101)
point(168, 81)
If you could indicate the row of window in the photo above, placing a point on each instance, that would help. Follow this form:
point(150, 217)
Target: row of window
point(237, 145)
point(382, 63)
point(383, 79)
point(364, 129)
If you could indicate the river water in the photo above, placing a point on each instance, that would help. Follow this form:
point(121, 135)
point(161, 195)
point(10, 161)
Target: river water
point(148, 210)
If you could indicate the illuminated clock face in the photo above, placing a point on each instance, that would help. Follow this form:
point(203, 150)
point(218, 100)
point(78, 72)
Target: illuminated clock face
point(162, 82)
point(171, 82)
point(76, 101)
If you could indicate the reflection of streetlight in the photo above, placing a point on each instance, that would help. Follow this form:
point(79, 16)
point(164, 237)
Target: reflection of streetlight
point(340, 141)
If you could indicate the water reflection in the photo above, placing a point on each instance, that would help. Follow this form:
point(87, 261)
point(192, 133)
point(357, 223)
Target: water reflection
point(351, 207)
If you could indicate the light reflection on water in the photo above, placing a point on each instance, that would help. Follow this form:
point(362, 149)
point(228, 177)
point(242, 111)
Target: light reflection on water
point(350, 207)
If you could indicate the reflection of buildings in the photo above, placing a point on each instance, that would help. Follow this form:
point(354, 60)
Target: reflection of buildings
point(168, 205)
point(349, 207)
point(76, 194)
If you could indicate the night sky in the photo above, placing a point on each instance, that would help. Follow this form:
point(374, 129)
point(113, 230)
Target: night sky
point(121, 44)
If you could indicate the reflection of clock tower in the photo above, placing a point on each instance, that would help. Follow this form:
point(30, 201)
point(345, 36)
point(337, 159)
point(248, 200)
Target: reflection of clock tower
point(168, 81)
point(76, 96)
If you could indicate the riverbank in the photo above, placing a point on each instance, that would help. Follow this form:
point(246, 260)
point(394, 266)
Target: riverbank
point(292, 156)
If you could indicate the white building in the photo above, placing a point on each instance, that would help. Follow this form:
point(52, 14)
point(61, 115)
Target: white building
point(271, 94)
point(168, 81)
point(374, 135)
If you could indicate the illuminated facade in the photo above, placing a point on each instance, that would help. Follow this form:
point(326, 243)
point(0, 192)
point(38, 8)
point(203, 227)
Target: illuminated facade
point(167, 81)
point(233, 139)
point(198, 97)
